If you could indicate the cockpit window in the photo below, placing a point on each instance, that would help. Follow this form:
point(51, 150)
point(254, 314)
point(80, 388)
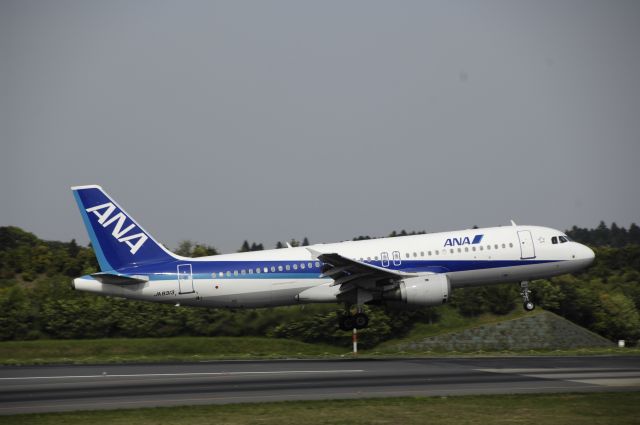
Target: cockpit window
point(563, 239)
point(554, 240)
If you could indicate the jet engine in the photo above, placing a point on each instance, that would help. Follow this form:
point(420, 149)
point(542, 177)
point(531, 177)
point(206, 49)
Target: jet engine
point(423, 291)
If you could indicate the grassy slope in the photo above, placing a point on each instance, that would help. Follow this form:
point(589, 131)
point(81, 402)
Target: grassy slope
point(157, 349)
point(558, 409)
point(451, 321)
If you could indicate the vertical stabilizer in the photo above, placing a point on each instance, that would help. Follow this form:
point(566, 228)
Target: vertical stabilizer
point(117, 239)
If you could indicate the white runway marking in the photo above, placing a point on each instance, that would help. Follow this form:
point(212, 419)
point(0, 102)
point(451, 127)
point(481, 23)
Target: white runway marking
point(138, 375)
point(550, 370)
point(610, 382)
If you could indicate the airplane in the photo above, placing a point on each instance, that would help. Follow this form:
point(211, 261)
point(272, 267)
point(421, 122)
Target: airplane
point(399, 272)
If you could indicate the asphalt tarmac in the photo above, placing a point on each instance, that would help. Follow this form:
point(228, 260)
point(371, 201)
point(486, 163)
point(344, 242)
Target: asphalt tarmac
point(64, 388)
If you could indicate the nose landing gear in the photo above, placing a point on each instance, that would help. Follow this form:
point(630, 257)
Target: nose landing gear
point(527, 304)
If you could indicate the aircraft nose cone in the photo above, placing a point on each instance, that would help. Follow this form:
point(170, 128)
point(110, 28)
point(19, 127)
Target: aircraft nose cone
point(588, 254)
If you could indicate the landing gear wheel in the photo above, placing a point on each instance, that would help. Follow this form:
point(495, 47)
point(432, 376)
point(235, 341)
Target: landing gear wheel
point(528, 305)
point(346, 323)
point(361, 320)
point(358, 321)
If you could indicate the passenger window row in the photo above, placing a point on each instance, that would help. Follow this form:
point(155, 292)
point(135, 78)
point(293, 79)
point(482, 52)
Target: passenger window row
point(444, 251)
point(272, 269)
point(310, 265)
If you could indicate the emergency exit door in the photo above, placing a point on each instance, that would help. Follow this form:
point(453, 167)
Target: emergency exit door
point(185, 279)
point(527, 250)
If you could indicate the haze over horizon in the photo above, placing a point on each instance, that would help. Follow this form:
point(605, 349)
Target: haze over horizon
point(231, 120)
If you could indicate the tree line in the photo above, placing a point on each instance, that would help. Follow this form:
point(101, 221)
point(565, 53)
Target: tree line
point(37, 300)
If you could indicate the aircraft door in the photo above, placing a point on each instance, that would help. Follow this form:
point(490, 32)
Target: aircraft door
point(527, 250)
point(396, 258)
point(185, 279)
point(385, 259)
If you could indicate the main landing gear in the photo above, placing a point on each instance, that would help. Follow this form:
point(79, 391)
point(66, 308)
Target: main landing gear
point(350, 321)
point(527, 304)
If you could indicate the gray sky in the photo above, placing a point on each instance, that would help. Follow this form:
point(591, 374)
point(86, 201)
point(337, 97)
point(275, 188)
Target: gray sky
point(224, 121)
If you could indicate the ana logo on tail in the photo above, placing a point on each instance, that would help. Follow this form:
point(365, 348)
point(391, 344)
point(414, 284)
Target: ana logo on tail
point(104, 212)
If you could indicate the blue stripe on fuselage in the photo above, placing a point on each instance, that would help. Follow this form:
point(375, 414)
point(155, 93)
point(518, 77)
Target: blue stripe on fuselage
point(212, 269)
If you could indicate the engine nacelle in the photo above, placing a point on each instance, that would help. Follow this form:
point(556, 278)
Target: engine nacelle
point(425, 291)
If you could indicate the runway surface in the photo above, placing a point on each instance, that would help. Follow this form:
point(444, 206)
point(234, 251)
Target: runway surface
point(62, 388)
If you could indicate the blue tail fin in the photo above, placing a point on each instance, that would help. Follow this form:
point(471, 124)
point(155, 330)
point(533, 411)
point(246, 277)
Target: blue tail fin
point(117, 239)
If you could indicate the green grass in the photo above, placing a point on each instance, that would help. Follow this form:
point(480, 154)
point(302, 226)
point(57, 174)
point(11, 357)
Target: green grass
point(558, 409)
point(189, 349)
point(505, 353)
point(115, 350)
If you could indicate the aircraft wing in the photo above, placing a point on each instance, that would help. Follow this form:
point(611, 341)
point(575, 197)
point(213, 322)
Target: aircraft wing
point(344, 270)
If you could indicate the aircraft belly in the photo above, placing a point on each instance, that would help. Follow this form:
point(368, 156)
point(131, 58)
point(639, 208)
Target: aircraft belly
point(247, 293)
point(481, 277)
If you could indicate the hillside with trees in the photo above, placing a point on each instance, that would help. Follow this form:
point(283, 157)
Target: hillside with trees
point(37, 300)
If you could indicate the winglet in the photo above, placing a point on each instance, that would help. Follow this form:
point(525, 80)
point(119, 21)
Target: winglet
point(314, 254)
point(513, 223)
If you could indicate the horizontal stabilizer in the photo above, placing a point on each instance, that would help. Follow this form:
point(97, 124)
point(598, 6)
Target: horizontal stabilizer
point(119, 279)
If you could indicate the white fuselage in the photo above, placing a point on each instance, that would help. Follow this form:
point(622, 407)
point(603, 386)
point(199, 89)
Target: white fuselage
point(276, 277)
